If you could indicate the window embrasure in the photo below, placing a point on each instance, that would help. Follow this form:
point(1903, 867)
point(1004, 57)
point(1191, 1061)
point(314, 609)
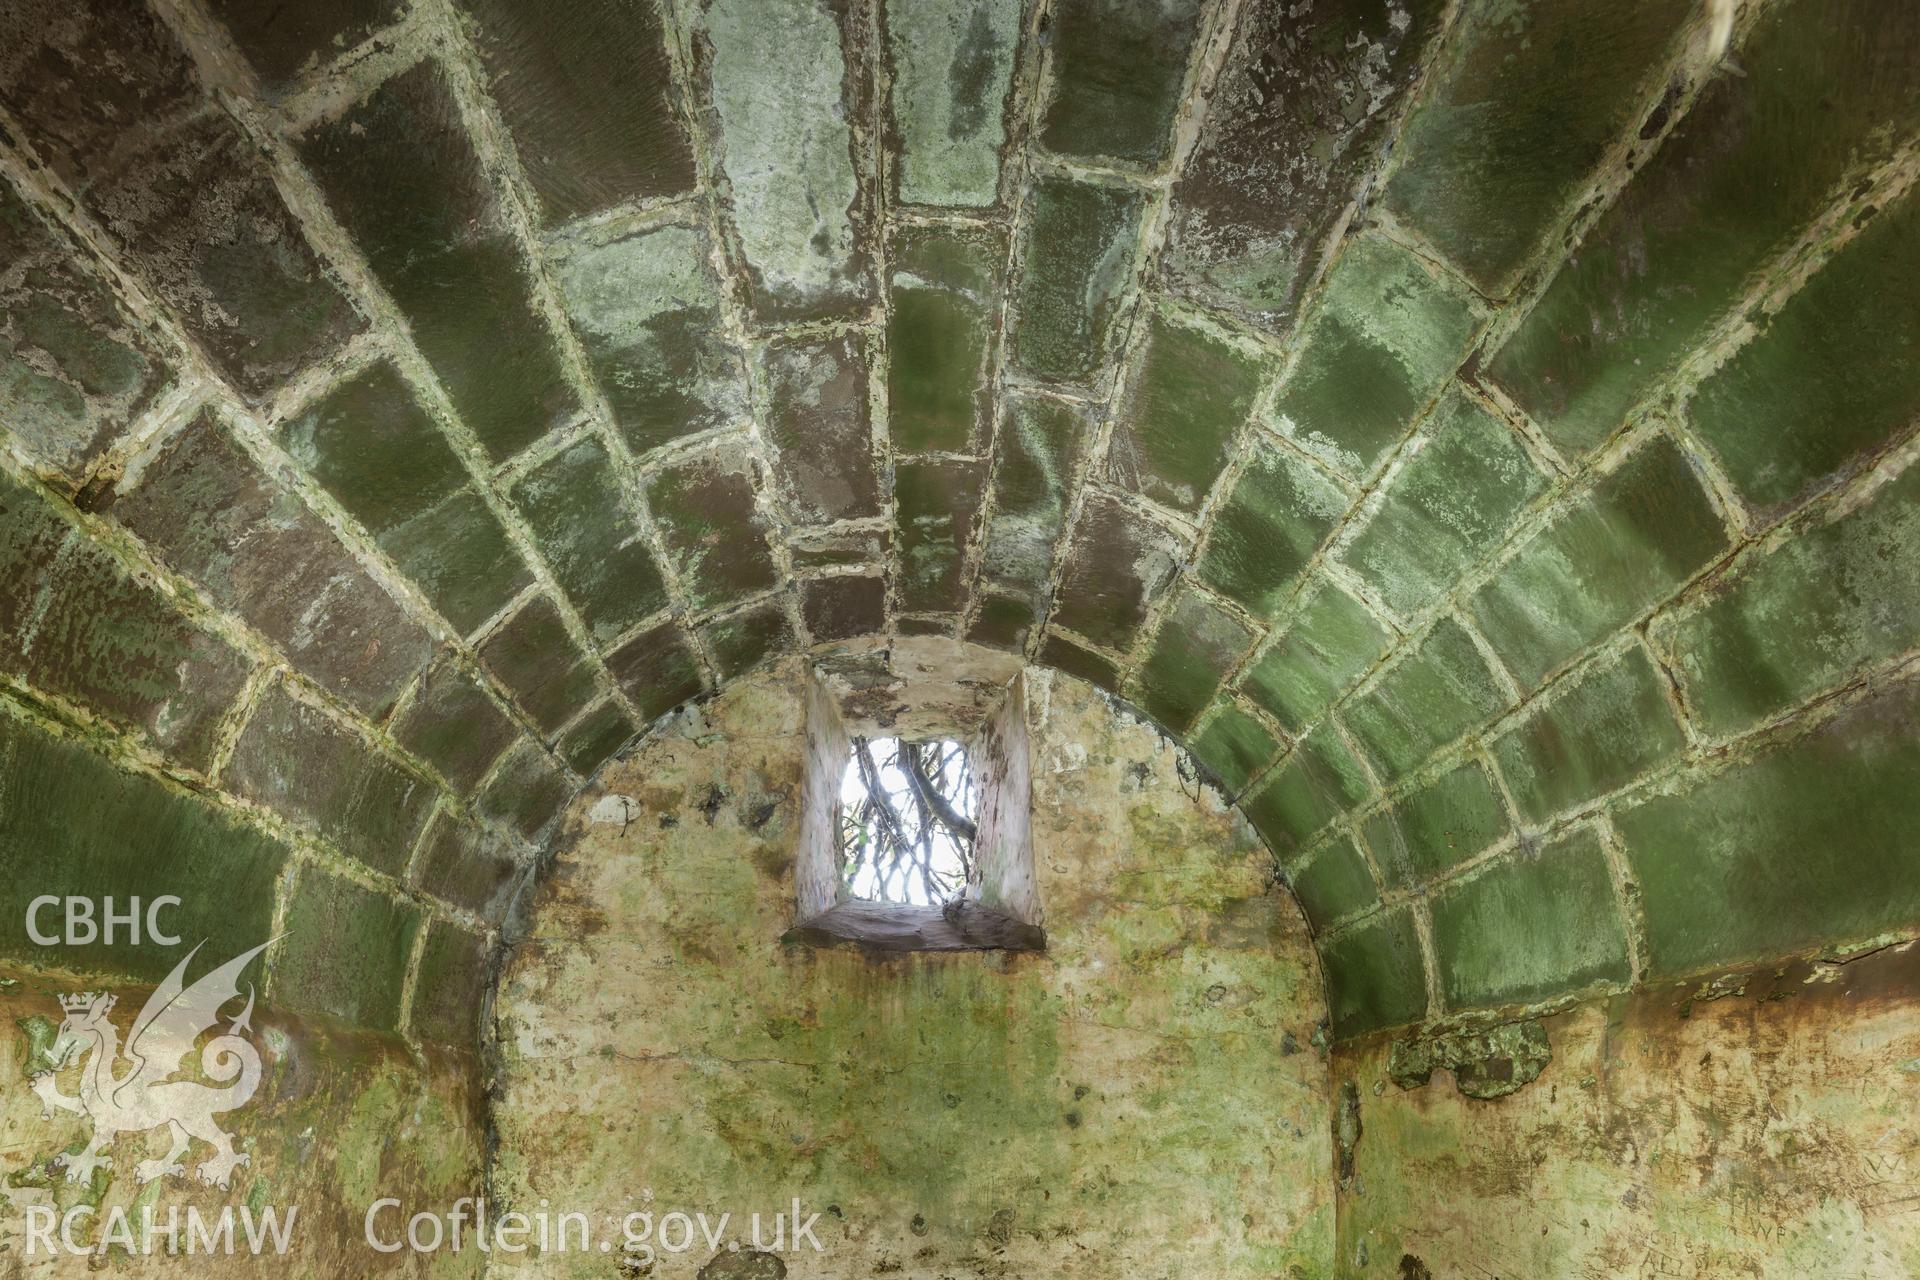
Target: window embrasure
point(917, 844)
point(906, 821)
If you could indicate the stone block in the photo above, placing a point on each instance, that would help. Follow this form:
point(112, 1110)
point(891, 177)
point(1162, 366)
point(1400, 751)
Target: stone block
point(647, 308)
point(71, 823)
point(1739, 178)
point(1804, 614)
point(307, 767)
point(534, 657)
point(74, 370)
point(944, 303)
point(1464, 481)
point(401, 175)
point(1198, 644)
point(1117, 72)
point(937, 501)
point(1594, 732)
point(1182, 413)
point(657, 669)
point(589, 101)
point(820, 422)
point(784, 76)
point(1388, 332)
point(345, 951)
point(952, 67)
point(1375, 976)
point(1330, 640)
point(1436, 826)
point(1332, 883)
point(258, 550)
point(1438, 691)
point(1317, 782)
point(581, 519)
point(1075, 262)
point(1299, 114)
point(1117, 564)
point(1279, 511)
point(454, 726)
point(1628, 543)
point(704, 510)
point(1528, 928)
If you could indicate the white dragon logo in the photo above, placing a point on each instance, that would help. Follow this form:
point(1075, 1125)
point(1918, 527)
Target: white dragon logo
point(141, 1098)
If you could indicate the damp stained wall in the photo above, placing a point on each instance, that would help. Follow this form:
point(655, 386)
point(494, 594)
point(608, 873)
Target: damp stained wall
point(342, 1117)
point(1147, 1093)
point(1760, 1125)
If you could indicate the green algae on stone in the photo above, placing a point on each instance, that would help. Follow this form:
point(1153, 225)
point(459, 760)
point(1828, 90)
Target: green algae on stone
point(79, 623)
point(453, 725)
point(1330, 640)
point(657, 669)
point(590, 101)
point(1235, 745)
point(1802, 615)
point(1179, 418)
point(1197, 645)
point(1118, 69)
point(1074, 263)
point(1440, 689)
point(525, 791)
point(536, 659)
point(1298, 116)
point(1317, 782)
point(257, 549)
point(819, 421)
point(704, 509)
point(1642, 531)
point(1332, 883)
point(411, 191)
point(1438, 825)
point(1040, 447)
point(1375, 975)
point(74, 372)
point(1808, 844)
point(1829, 379)
point(462, 558)
point(1525, 102)
point(574, 504)
point(1485, 1064)
point(1739, 178)
point(1388, 332)
point(787, 149)
point(449, 986)
point(467, 864)
point(1118, 562)
point(648, 312)
point(943, 299)
point(743, 640)
point(936, 501)
point(1595, 732)
point(1269, 527)
point(590, 740)
point(1458, 489)
point(299, 762)
point(71, 823)
point(952, 79)
point(344, 951)
point(1525, 929)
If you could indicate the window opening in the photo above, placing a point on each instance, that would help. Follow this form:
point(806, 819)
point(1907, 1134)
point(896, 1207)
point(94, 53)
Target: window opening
point(907, 821)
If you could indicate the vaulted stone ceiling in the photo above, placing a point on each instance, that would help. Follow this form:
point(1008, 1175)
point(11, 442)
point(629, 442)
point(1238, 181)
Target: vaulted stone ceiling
point(1481, 432)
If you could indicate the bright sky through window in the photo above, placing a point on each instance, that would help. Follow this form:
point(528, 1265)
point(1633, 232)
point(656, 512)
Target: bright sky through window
point(907, 814)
